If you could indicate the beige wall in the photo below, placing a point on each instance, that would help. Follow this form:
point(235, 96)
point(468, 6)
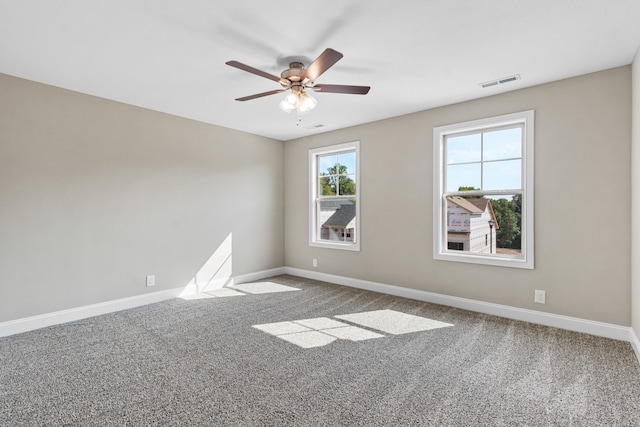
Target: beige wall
point(582, 202)
point(635, 185)
point(95, 195)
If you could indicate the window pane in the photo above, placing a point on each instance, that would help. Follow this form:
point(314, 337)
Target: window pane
point(502, 144)
point(348, 160)
point(502, 175)
point(508, 212)
point(463, 149)
point(337, 219)
point(463, 176)
point(327, 185)
point(472, 227)
point(347, 185)
point(326, 164)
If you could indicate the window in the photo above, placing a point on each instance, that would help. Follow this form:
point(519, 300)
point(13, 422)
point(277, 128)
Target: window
point(335, 196)
point(483, 191)
point(455, 246)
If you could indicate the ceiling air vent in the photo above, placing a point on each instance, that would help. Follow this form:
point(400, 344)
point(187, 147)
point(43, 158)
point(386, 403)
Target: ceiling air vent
point(501, 81)
point(314, 126)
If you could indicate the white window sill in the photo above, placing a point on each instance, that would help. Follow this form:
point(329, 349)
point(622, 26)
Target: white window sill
point(336, 245)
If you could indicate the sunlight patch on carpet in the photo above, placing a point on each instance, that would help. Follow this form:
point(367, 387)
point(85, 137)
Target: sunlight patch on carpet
point(263, 288)
point(321, 331)
point(352, 333)
point(316, 332)
point(243, 289)
point(217, 293)
point(393, 322)
point(308, 339)
point(192, 297)
point(224, 292)
point(282, 328)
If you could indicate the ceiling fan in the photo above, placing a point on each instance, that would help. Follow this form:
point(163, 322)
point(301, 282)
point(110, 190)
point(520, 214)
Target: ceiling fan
point(297, 79)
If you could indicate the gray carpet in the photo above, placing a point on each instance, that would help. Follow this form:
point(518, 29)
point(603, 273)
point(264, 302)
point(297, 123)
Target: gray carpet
point(324, 355)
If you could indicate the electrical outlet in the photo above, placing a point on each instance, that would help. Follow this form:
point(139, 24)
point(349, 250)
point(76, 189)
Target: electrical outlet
point(540, 297)
point(315, 262)
point(151, 280)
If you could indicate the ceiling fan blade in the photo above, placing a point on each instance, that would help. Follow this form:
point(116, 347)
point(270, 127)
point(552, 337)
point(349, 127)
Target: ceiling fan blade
point(252, 70)
point(260, 95)
point(322, 64)
point(355, 90)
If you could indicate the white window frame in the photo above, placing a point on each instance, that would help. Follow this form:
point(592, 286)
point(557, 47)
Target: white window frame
point(440, 250)
point(315, 198)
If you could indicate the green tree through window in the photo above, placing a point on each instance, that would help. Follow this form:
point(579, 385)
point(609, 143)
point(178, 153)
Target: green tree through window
point(508, 216)
point(336, 181)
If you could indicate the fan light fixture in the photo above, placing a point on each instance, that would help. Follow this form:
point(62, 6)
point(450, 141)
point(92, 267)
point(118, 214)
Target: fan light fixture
point(297, 78)
point(298, 100)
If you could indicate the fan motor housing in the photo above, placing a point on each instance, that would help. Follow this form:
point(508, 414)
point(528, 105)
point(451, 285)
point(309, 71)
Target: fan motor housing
point(294, 73)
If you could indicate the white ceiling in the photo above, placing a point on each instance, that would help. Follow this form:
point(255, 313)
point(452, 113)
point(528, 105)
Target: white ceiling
point(170, 56)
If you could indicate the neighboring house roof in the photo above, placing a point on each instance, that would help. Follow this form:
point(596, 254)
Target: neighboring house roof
point(334, 204)
point(342, 217)
point(467, 204)
point(480, 203)
point(474, 206)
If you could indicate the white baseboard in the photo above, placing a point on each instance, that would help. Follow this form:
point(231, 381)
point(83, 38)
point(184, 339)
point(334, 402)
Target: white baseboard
point(251, 277)
point(77, 313)
point(633, 339)
point(607, 330)
point(230, 281)
point(49, 319)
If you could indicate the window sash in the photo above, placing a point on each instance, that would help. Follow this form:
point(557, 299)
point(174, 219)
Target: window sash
point(350, 236)
point(441, 251)
point(484, 164)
